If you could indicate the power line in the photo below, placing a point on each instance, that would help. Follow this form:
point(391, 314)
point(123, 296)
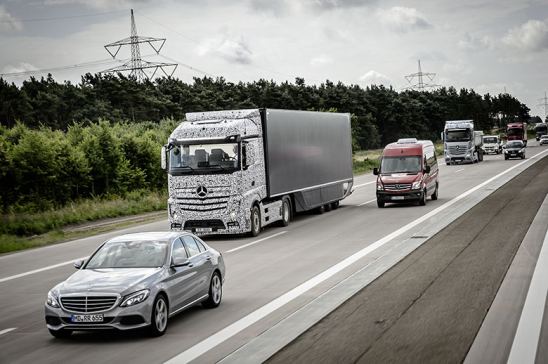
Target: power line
point(61, 17)
point(60, 68)
point(420, 85)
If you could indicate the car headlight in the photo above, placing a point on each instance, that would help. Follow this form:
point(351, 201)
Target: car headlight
point(522, 150)
point(52, 300)
point(380, 187)
point(416, 185)
point(505, 151)
point(135, 298)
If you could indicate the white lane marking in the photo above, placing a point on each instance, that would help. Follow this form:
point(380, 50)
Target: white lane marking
point(7, 330)
point(459, 170)
point(256, 241)
point(524, 347)
point(224, 334)
point(366, 202)
point(364, 184)
point(5, 279)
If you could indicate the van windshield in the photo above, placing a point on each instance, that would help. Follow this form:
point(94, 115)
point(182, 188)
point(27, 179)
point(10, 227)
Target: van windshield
point(403, 164)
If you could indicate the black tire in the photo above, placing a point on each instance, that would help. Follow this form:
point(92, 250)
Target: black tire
point(380, 203)
point(255, 221)
point(480, 156)
point(523, 156)
point(422, 201)
point(435, 194)
point(286, 212)
point(506, 157)
point(335, 205)
point(327, 207)
point(320, 209)
point(60, 334)
point(215, 292)
point(159, 317)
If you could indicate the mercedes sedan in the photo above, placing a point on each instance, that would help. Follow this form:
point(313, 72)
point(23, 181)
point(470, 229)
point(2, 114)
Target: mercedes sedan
point(134, 281)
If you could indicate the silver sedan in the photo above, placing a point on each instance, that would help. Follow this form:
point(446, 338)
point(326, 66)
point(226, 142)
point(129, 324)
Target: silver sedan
point(134, 281)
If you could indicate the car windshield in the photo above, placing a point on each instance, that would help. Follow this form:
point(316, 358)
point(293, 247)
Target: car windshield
point(517, 144)
point(490, 140)
point(403, 164)
point(204, 158)
point(458, 135)
point(129, 254)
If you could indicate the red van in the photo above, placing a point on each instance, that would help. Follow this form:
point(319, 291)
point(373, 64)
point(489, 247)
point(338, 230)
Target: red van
point(408, 172)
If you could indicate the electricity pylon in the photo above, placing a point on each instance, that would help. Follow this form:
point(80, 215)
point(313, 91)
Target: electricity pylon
point(420, 85)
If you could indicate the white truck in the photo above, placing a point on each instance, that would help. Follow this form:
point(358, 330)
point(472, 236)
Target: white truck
point(236, 171)
point(492, 144)
point(461, 143)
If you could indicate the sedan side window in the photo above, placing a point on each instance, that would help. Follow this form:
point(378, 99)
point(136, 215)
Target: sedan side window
point(191, 245)
point(200, 245)
point(178, 252)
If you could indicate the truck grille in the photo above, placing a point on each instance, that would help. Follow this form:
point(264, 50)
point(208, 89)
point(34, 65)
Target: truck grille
point(196, 199)
point(453, 150)
point(88, 304)
point(397, 186)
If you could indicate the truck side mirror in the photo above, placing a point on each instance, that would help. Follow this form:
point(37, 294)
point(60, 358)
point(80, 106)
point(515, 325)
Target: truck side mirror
point(163, 162)
point(376, 171)
point(427, 169)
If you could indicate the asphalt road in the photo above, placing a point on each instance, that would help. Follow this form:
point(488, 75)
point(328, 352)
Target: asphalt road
point(257, 274)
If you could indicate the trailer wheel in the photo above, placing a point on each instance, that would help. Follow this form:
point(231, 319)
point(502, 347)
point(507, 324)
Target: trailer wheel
point(286, 212)
point(327, 207)
point(335, 205)
point(320, 209)
point(255, 221)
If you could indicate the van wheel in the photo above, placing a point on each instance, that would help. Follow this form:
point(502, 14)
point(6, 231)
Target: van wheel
point(435, 194)
point(255, 221)
point(422, 201)
point(380, 203)
point(286, 212)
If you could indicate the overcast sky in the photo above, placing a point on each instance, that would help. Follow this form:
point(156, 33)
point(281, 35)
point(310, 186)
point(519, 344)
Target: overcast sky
point(488, 45)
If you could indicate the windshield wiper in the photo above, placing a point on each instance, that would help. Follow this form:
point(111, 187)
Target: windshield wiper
point(219, 166)
point(189, 167)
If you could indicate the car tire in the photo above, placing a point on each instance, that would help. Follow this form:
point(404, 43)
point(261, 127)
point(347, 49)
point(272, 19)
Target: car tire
point(255, 221)
point(422, 201)
point(380, 203)
point(435, 194)
point(286, 212)
point(505, 157)
point(60, 334)
point(215, 292)
point(159, 316)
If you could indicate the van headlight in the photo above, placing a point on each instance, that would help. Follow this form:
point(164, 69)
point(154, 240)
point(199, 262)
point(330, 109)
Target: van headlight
point(135, 298)
point(380, 187)
point(416, 185)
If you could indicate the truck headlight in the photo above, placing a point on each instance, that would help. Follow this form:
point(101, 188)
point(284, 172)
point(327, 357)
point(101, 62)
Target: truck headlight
point(380, 187)
point(52, 300)
point(416, 185)
point(233, 215)
point(135, 298)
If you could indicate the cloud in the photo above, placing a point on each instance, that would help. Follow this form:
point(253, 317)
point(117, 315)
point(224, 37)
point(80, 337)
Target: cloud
point(232, 50)
point(21, 67)
point(375, 78)
point(98, 4)
point(473, 43)
point(7, 22)
point(321, 60)
point(403, 20)
point(531, 36)
point(331, 4)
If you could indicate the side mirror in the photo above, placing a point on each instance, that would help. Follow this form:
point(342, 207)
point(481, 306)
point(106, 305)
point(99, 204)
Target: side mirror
point(179, 262)
point(78, 263)
point(163, 158)
point(427, 169)
point(376, 171)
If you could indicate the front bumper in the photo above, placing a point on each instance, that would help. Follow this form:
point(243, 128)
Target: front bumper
point(458, 159)
point(118, 318)
point(409, 195)
point(514, 155)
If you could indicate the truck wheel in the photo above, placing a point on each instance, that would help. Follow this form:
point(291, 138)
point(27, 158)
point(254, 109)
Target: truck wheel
point(435, 194)
point(335, 205)
point(255, 221)
point(422, 201)
point(327, 207)
point(320, 209)
point(380, 203)
point(480, 156)
point(286, 212)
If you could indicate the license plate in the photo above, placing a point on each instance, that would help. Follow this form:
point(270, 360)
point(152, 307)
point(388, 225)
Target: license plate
point(87, 318)
point(398, 197)
point(204, 230)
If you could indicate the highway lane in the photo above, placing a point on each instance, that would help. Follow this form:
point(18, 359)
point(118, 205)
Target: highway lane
point(311, 244)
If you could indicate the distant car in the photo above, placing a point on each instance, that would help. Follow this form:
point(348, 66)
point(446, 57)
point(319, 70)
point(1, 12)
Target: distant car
point(134, 281)
point(514, 149)
point(543, 140)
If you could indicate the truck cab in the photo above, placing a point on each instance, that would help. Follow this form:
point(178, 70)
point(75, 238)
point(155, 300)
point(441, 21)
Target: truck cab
point(517, 131)
point(461, 143)
point(492, 144)
point(408, 172)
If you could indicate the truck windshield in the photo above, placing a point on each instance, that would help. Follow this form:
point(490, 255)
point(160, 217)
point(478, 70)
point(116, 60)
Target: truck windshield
point(204, 158)
point(514, 132)
point(490, 140)
point(411, 164)
point(459, 135)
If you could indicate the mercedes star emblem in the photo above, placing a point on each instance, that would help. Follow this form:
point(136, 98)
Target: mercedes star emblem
point(201, 191)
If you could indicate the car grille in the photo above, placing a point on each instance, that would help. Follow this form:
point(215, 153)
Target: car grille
point(215, 199)
point(454, 151)
point(88, 304)
point(397, 186)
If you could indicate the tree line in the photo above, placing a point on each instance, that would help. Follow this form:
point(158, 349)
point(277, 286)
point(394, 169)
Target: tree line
point(63, 141)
